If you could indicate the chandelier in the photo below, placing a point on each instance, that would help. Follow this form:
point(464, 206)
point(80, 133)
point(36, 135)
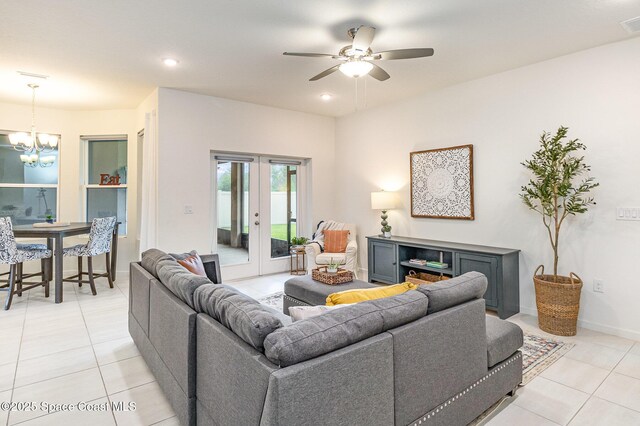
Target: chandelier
point(34, 144)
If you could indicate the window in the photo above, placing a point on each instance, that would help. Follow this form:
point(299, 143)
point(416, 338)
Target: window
point(27, 194)
point(106, 179)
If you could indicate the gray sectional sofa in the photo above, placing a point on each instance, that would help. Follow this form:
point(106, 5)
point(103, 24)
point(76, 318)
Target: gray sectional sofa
point(427, 357)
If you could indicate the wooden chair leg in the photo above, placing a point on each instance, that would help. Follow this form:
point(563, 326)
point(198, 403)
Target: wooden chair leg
point(19, 279)
point(44, 264)
point(13, 269)
point(90, 270)
point(109, 270)
point(79, 271)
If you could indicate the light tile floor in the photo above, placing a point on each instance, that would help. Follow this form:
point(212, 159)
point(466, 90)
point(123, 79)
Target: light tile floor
point(80, 350)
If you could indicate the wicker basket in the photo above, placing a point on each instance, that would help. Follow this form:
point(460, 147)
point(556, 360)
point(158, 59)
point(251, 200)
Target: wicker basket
point(340, 277)
point(424, 278)
point(558, 302)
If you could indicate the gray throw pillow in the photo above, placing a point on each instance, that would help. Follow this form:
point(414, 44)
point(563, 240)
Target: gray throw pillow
point(178, 280)
point(448, 293)
point(339, 328)
point(246, 317)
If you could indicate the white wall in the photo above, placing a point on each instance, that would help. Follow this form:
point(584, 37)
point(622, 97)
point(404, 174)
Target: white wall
point(595, 92)
point(71, 125)
point(192, 126)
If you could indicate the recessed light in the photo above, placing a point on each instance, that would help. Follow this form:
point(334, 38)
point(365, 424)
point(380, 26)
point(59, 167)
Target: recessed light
point(170, 62)
point(325, 97)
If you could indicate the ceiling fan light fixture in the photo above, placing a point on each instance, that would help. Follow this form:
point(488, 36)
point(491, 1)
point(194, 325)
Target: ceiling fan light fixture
point(356, 69)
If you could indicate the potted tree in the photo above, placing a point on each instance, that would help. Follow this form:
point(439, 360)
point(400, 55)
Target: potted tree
point(556, 191)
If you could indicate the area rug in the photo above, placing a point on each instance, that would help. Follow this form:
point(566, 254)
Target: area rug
point(538, 352)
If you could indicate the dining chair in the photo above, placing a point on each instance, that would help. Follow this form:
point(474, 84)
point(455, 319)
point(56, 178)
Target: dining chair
point(15, 255)
point(100, 238)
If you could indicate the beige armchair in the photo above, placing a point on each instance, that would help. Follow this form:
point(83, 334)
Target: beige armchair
point(348, 259)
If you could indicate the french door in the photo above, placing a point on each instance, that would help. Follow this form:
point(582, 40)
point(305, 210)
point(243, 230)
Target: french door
point(258, 207)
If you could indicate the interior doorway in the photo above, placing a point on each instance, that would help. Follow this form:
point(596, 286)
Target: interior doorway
point(258, 209)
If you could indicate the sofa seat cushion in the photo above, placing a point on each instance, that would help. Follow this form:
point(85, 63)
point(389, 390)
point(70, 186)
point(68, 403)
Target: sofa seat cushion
point(458, 290)
point(305, 289)
point(179, 281)
point(504, 338)
point(246, 317)
point(325, 258)
point(339, 328)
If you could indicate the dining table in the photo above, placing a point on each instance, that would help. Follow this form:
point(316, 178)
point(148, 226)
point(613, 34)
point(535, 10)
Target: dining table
point(55, 235)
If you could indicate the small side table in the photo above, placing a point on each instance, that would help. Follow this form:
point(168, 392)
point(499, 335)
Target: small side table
point(298, 262)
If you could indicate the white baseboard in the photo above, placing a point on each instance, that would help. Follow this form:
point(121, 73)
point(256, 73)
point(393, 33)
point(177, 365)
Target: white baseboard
point(602, 328)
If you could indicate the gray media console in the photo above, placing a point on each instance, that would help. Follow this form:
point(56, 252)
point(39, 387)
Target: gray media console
point(389, 263)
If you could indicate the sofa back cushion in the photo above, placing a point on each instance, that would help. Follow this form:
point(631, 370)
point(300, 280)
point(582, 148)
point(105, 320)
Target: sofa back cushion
point(246, 317)
point(338, 328)
point(178, 280)
point(150, 259)
point(448, 293)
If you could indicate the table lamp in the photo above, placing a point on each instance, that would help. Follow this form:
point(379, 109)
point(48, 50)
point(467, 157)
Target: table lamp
point(383, 200)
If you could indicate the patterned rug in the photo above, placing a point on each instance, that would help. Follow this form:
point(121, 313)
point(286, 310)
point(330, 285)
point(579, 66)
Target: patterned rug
point(538, 352)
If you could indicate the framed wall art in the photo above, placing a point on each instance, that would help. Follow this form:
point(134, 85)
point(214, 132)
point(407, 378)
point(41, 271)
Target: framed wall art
point(442, 183)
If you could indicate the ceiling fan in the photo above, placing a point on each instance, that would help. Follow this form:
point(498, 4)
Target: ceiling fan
point(357, 58)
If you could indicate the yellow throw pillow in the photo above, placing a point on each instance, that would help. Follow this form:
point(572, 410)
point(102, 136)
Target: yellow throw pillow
point(362, 295)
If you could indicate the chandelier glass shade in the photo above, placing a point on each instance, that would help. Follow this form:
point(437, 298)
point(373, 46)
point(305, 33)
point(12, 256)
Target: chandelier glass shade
point(34, 144)
point(356, 68)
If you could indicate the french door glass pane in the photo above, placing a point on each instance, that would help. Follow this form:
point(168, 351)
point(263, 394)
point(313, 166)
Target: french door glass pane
point(284, 203)
point(106, 202)
point(12, 170)
point(28, 205)
point(232, 203)
point(107, 158)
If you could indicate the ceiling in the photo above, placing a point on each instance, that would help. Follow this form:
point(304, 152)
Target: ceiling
point(107, 54)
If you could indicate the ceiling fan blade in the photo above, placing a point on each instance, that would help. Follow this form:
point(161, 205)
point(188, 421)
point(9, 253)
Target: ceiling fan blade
point(310, 55)
point(325, 73)
point(404, 53)
point(363, 38)
point(378, 73)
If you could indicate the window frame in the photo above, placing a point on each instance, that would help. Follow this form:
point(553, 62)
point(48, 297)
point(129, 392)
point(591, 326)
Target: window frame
point(86, 140)
point(36, 185)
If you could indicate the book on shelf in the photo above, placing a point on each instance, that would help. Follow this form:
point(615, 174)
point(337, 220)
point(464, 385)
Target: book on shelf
point(439, 265)
point(418, 261)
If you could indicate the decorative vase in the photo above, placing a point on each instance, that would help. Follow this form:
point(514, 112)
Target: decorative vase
point(332, 270)
point(297, 247)
point(386, 234)
point(49, 220)
point(558, 302)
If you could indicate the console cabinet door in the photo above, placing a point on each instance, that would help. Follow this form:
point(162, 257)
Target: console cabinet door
point(382, 262)
point(487, 265)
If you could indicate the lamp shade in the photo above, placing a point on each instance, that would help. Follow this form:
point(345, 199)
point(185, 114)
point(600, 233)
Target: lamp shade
point(383, 200)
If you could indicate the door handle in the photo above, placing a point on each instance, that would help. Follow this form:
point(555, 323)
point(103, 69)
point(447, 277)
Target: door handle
point(257, 222)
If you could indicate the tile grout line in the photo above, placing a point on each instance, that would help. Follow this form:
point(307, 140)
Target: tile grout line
point(601, 383)
point(96, 358)
point(15, 372)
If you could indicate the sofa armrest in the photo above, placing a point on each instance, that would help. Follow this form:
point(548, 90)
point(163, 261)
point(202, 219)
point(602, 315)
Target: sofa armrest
point(352, 247)
point(312, 251)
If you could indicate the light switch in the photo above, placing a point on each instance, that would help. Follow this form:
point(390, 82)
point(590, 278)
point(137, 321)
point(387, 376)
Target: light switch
point(188, 209)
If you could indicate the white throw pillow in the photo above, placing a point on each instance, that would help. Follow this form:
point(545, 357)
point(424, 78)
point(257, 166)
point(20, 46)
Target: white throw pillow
point(298, 313)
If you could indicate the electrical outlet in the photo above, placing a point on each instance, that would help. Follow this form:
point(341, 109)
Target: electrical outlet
point(598, 285)
point(188, 209)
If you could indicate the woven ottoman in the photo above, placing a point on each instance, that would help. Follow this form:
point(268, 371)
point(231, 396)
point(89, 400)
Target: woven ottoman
point(304, 291)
